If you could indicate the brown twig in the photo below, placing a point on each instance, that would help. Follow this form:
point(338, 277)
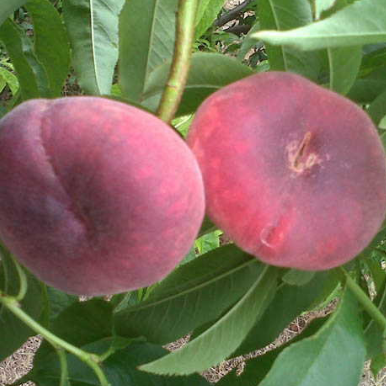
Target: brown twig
point(232, 14)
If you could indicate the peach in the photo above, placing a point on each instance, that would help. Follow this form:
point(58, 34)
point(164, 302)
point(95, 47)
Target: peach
point(294, 173)
point(96, 196)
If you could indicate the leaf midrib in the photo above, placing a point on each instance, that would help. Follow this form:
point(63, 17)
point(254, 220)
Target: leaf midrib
point(189, 290)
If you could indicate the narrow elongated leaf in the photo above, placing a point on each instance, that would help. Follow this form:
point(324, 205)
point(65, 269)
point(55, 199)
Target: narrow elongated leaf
point(288, 303)
point(362, 22)
point(146, 41)
point(285, 15)
point(92, 27)
point(257, 368)
point(220, 340)
point(194, 294)
point(49, 32)
point(206, 15)
point(208, 73)
point(344, 67)
point(342, 64)
point(32, 75)
point(335, 355)
point(9, 6)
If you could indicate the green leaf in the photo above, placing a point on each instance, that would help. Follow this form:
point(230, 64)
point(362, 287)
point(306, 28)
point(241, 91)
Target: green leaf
point(14, 331)
point(182, 124)
point(377, 109)
point(189, 257)
point(285, 15)
point(194, 294)
point(373, 332)
point(206, 227)
point(248, 42)
point(374, 56)
point(368, 87)
point(378, 364)
point(378, 274)
point(3, 84)
point(121, 368)
point(289, 302)
point(80, 324)
point(321, 6)
point(7, 7)
point(135, 355)
point(381, 235)
point(208, 242)
point(30, 72)
point(382, 123)
point(59, 301)
point(297, 277)
point(208, 73)
point(318, 360)
point(222, 338)
point(343, 62)
point(362, 22)
point(10, 79)
point(207, 13)
point(147, 35)
point(344, 67)
point(49, 32)
point(84, 322)
point(257, 368)
point(337, 6)
point(92, 27)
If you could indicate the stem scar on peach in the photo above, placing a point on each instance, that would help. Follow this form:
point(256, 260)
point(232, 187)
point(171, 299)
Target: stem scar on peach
point(294, 173)
point(96, 197)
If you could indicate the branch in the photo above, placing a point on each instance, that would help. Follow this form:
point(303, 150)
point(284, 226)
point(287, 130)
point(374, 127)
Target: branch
point(238, 29)
point(181, 60)
point(232, 14)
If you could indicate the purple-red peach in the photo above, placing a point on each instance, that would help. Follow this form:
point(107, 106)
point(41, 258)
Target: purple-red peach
point(294, 173)
point(96, 196)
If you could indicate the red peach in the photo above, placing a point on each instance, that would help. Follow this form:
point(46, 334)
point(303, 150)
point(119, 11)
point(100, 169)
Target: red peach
point(295, 174)
point(96, 196)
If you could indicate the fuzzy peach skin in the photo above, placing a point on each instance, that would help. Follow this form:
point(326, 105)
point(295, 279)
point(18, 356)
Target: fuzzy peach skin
point(295, 174)
point(96, 196)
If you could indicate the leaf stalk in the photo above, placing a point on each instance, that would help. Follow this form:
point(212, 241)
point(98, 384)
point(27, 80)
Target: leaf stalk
point(364, 300)
point(92, 360)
